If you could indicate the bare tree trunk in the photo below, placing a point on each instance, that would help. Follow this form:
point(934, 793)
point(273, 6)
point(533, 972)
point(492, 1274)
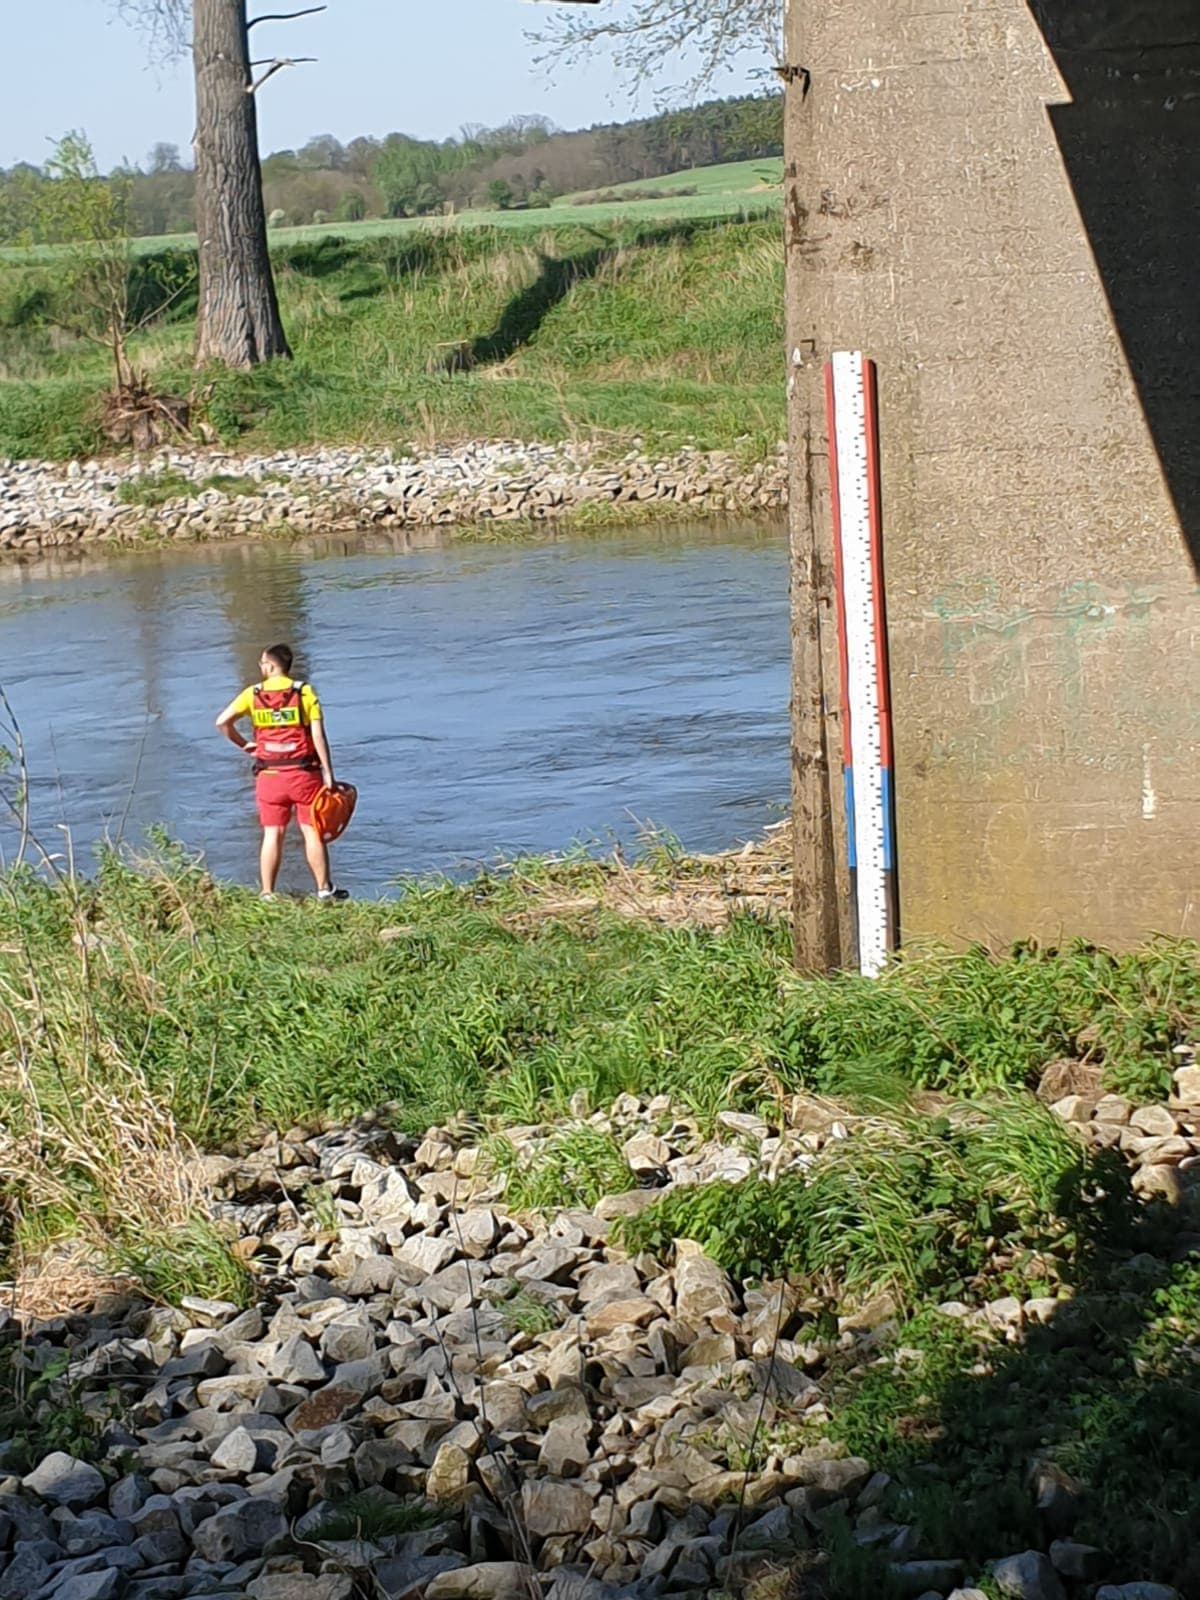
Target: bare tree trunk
point(816, 940)
point(238, 320)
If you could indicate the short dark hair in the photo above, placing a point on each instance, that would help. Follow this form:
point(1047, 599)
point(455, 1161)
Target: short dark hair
point(281, 654)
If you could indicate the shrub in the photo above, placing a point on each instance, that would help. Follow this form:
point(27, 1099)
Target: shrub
point(46, 1410)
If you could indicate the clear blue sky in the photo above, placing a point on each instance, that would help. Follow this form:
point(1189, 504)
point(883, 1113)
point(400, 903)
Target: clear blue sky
point(422, 67)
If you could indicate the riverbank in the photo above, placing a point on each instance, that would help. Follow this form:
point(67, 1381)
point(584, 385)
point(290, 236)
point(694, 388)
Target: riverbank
point(176, 495)
point(667, 332)
point(558, 1239)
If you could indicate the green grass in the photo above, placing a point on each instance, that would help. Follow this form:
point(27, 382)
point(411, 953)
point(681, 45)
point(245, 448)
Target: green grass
point(194, 1259)
point(199, 1011)
point(967, 1022)
point(370, 1515)
point(214, 1014)
point(575, 1166)
point(752, 181)
point(669, 330)
point(156, 488)
point(526, 1314)
point(912, 1207)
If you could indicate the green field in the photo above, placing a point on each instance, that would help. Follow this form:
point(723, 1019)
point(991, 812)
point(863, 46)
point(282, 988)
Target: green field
point(755, 180)
point(666, 328)
point(735, 189)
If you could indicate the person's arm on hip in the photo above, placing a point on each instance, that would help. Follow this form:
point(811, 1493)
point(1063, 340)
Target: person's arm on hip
point(228, 720)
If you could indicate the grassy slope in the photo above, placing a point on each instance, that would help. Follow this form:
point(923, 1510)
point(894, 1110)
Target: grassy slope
point(176, 1000)
point(670, 330)
point(749, 181)
point(232, 1011)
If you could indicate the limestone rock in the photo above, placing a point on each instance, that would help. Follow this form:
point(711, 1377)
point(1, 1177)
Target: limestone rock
point(66, 1481)
point(551, 1507)
point(1156, 1122)
point(634, 1312)
point(449, 1474)
point(239, 1453)
point(1137, 1591)
point(243, 1528)
point(836, 1479)
point(301, 1586)
point(566, 1448)
point(1158, 1182)
point(646, 1154)
point(105, 1583)
point(1028, 1576)
point(1112, 1108)
point(487, 1580)
point(916, 1578)
point(702, 1288)
point(614, 1280)
point(1082, 1562)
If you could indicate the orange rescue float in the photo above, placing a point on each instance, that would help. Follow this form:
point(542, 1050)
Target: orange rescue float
point(332, 810)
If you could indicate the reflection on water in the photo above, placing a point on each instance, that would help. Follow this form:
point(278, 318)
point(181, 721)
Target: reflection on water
point(486, 699)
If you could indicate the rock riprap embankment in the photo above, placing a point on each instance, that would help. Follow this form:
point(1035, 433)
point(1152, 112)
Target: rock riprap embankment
point(568, 1421)
point(212, 496)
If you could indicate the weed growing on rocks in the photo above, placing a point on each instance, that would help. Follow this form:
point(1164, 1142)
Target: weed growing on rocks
point(1104, 1394)
point(157, 488)
point(41, 1411)
point(195, 1260)
point(525, 1314)
point(369, 1517)
point(576, 1166)
point(910, 1207)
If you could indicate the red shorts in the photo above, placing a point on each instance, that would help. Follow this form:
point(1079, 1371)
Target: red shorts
point(277, 793)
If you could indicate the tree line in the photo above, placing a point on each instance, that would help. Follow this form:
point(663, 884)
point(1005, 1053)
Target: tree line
point(526, 162)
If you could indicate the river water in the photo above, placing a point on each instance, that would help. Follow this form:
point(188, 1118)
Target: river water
point(487, 699)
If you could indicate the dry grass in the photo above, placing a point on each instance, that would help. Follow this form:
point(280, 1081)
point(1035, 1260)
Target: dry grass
point(62, 1280)
point(678, 891)
point(84, 1139)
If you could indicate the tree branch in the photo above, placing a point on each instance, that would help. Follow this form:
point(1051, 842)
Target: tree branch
point(284, 16)
point(639, 37)
point(166, 22)
point(281, 61)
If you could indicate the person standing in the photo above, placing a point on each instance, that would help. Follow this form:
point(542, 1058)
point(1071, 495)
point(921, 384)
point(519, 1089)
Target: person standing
point(291, 762)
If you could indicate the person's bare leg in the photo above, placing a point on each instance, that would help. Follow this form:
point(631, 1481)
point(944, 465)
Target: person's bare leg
point(269, 857)
point(317, 854)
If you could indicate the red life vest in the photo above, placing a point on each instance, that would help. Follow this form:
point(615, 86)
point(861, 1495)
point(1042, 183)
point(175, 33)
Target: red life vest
point(282, 738)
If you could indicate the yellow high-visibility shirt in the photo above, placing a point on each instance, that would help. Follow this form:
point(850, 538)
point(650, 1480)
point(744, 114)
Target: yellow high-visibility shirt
point(310, 706)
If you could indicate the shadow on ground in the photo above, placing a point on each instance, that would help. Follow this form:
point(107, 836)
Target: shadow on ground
point(1084, 1430)
point(558, 275)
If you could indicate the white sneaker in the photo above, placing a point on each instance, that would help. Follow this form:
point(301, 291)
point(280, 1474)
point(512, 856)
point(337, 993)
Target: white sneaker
point(333, 893)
